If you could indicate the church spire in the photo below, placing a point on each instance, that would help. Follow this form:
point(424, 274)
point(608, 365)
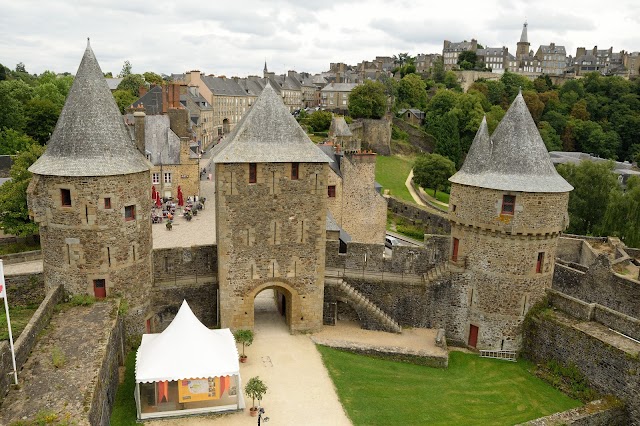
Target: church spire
point(523, 36)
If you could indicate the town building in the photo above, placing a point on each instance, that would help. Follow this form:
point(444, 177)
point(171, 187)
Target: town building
point(90, 194)
point(451, 51)
point(335, 96)
point(604, 61)
point(495, 58)
point(552, 59)
point(424, 62)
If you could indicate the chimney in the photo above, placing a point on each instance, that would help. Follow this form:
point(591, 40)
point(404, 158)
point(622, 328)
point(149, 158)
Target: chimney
point(142, 90)
point(175, 88)
point(138, 117)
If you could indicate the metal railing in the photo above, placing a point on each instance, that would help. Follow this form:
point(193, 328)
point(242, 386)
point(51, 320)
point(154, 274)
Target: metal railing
point(504, 355)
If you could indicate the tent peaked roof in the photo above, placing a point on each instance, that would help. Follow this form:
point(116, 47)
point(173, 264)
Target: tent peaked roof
point(268, 133)
point(186, 349)
point(90, 138)
point(514, 158)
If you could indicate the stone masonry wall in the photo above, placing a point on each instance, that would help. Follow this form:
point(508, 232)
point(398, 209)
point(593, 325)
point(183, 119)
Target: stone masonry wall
point(609, 369)
point(600, 285)
point(179, 262)
point(433, 221)
point(24, 256)
point(25, 343)
point(364, 211)
point(271, 234)
point(106, 384)
point(376, 135)
point(202, 299)
point(92, 240)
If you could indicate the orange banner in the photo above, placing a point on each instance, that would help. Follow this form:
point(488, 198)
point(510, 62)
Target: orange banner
point(199, 389)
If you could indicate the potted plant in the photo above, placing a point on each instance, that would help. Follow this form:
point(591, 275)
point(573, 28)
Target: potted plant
point(246, 338)
point(255, 389)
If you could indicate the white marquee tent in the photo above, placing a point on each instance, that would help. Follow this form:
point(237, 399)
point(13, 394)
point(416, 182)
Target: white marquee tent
point(188, 368)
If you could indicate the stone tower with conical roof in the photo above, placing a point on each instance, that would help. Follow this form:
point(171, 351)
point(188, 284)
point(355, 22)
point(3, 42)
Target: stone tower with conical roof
point(523, 45)
point(271, 207)
point(508, 206)
point(90, 194)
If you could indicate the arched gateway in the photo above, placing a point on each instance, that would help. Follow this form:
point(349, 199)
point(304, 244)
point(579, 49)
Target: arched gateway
point(271, 204)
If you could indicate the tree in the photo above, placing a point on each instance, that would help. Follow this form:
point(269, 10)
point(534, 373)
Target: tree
point(437, 71)
point(152, 78)
point(14, 213)
point(368, 100)
point(433, 171)
point(513, 83)
point(12, 110)
point(549, 136)
point(124, 99)
point(126, 69)
point(622, 216)
point(467, 60)
point(255, 389)
point(579, 110)
point(13, 142)
point(444, 129)
point(451, 81)
point(412, 92)
point(244, 337)
point(3, 73)
point(320, 121)
point(534, 104)
point(41, 118)
point(593, 184)
point(20, 67)
point(132, 84)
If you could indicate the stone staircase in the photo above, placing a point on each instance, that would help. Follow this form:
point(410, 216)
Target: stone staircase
point(362, 302)
point(440, 270)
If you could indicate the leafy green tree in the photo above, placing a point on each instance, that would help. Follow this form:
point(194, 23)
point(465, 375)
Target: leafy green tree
point(579, 110)
point(152, 78)
point(549, 136)
point(437, 71)
point(124, 99)
point(497, 93)
point(622, 216)
point(451, 81)
point(19, 90)
point(14, 213)
point(20, 67)
point(444, 129)
point(513, 83)
point(132, 84)
point(593, 185)
point(412, 92)
point(50, 92)
point(442, 102)
point(3, 73)
point(320, 121)
point(469, 113)
point(535, 105)
point(542, 83)
point(41, 118)
point(126, 69)
point(467, 60)
point(11, 110)
point(108, 74)
point(12, 142)
point(368, 100)
point(433, 171)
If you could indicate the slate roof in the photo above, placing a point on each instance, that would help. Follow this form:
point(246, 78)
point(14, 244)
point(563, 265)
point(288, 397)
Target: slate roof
point(152, 101)
point(223, 86)
point(113, 83)
point(523, 36)
point(544, 48)
point(90, 138)
point(514, 158)
point(268, 133)
point(339, 127)
point(330, 151)
point(339, 87)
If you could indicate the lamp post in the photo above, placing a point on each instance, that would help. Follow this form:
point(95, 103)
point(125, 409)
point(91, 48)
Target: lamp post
point(260, 413)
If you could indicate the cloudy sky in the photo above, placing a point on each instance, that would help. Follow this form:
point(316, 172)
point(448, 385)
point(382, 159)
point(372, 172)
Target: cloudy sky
point(235, 37)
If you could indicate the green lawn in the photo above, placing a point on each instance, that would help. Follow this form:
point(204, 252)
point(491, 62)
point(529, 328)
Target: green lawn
point(392, 172)
point(472, 391)
point(124, 407)
point(441, 196)
point(20, 316)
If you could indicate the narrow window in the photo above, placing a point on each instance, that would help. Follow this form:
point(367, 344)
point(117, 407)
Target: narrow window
point(508, 204)
point(155, 178)
point(86, 214)
point(65, 195)
point(540, 263)
point(167, 177)
point(107, 203)
point(133, 251)
point(302, 231)
point(294, 170)
point(331, 191)
point(69, 253)
point(130, 212)
point(253, 172)
point(454, 252)
point(109, 255)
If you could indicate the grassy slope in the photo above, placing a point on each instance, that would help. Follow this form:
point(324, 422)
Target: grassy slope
point(124, 408)
point(20, 316)
point(392, 172)
point(472, 391)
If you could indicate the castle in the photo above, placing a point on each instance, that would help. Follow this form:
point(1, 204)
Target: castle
point(275, 209)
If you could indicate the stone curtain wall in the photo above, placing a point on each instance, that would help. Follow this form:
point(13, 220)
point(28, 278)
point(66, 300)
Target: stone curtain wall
point(376, 135)
point(87, 241)
point(610, 370)
point(576, 250)
point(599, 285)
point(417, 136)
point(594, 413)
point(24, 344)
point(24, 256)
point(185, 262)
point(434, 222)
point(106, 385)
point(25, 289)
point(202, 299)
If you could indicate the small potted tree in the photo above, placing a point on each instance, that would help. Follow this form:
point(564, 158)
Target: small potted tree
point(255, 389)
point(246, 338)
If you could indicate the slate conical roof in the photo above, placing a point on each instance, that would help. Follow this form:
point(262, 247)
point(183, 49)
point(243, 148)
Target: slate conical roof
point(90, 138)
point(268, 133)
point(514, 158)
point(339, 127)
point(523, 36)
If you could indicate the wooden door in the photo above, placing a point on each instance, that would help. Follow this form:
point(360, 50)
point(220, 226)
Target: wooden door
point(454, 254)
point(99, 289)
point(473, 335)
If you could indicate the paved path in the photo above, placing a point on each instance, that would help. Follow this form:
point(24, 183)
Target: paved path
point(30, 267)
point(412, 191)
point(300, 390)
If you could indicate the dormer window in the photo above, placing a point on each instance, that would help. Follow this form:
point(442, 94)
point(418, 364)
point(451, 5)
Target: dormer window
point(508, 204)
